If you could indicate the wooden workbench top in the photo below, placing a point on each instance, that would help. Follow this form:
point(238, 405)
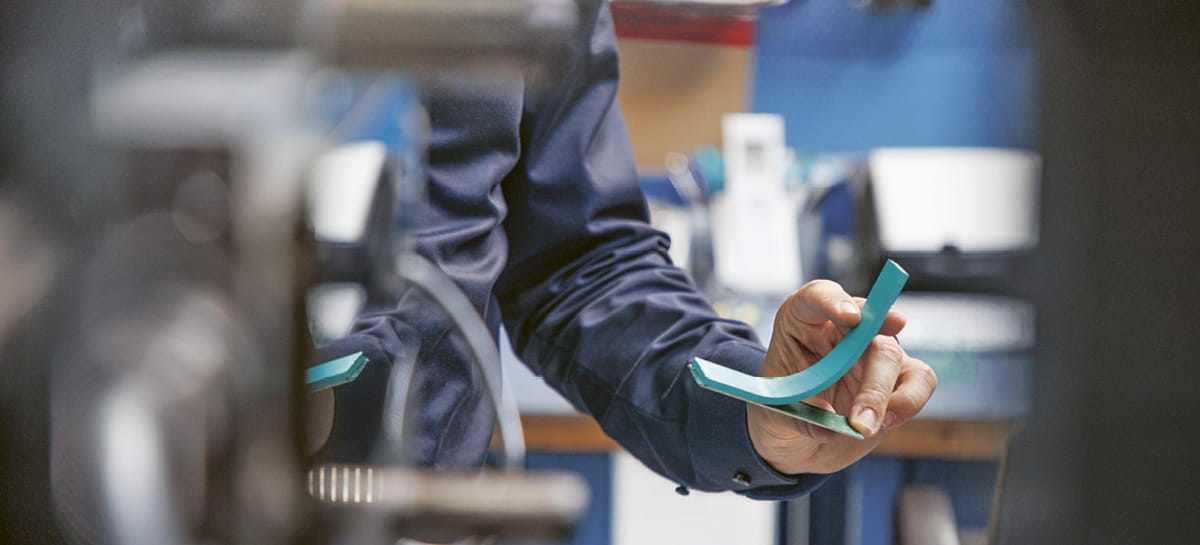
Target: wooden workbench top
point(944, 439)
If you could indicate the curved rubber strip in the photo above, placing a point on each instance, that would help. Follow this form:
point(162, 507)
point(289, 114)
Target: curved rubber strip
point(334, 372)
point(824, 373)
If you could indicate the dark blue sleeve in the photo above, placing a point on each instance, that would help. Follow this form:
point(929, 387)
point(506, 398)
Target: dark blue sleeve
point(593, 303)
point(533, 203)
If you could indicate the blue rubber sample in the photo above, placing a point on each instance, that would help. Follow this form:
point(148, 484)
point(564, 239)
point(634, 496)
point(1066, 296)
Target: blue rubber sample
point(334, 372)
point(821, 375)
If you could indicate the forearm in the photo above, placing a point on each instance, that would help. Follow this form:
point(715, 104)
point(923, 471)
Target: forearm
point(613, 333)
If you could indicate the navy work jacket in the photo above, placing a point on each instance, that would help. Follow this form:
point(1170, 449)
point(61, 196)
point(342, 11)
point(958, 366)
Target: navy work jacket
point(534, 209)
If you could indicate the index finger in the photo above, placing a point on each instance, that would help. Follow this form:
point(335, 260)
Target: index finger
point(821, 301)
point(825, 300)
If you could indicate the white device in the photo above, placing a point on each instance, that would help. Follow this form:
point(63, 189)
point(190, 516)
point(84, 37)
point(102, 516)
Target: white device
point(756, 219)
point(970, 199)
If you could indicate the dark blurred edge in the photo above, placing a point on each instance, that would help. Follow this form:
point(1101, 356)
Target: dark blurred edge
point(44, 50)
point(1109, 455)
point(52, 53)
point(25, 514)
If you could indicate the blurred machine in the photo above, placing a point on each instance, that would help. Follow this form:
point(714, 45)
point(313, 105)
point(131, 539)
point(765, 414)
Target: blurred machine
point(179, 154)
point(964, 222)
point(964, 218)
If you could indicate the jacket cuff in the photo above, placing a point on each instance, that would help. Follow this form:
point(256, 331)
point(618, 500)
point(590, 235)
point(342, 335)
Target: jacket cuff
point(350, 344)
point(722, 452)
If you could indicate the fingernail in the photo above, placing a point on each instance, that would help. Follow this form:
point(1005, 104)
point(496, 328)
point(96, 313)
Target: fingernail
point(867, 418)
point(848, 308)
point(890, 419)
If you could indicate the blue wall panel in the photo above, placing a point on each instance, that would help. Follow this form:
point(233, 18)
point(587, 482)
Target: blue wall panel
point(878, 481)
point(971, 486)
point(596, 468)
point(850, 79)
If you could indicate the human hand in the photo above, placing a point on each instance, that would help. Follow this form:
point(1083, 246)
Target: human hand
point(884, 389)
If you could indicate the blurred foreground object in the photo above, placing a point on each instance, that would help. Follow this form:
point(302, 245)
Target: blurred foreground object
point(442, 507)
point(1110, 460)
point(170, 142)
point(29, 267)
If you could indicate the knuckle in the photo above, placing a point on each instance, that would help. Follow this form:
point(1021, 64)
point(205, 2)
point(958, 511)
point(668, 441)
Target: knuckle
point(888, 348)
point(873, 395)
point(930, 378)
point(815, 289)
point(819, 284)
point(924, 373)
point(811, 297)
point(908, 402)
point(918, 399)
point(913, 398)
point(782, 317)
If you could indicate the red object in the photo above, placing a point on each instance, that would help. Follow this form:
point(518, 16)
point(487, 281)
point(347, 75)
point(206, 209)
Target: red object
point(697, 24)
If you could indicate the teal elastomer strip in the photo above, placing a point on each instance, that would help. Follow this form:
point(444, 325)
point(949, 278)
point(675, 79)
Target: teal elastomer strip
point(777, 391)
point(819, 417)
point(334, 372)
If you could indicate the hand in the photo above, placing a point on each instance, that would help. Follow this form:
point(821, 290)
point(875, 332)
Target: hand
point(319, 409)
point(884, 389)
